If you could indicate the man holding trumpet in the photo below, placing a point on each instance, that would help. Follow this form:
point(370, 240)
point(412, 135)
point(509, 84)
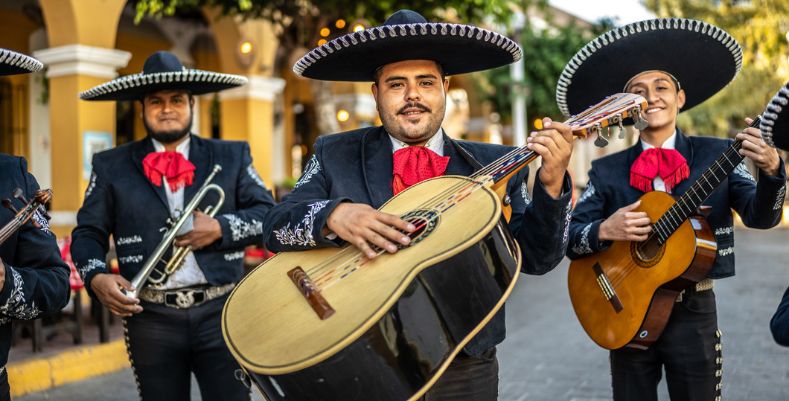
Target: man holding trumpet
point(173, 323)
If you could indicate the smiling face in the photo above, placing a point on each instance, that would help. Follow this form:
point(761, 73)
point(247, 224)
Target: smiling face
point(663, 99)
point(168, 115)
point(411, 99)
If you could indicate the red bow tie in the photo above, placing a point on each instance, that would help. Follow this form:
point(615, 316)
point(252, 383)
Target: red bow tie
point(171, 165)
point(413, 164)
point(669, 164)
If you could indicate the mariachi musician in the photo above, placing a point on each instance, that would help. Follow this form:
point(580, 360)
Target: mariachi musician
point(675, 64)
point(33, 277)
point(172, 328)
point(353, 173)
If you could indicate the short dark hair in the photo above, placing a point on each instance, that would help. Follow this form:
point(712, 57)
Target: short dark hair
point(378, 71)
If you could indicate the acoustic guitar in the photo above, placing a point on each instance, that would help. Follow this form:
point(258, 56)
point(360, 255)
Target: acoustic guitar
point(624, 295)
point(328, 324)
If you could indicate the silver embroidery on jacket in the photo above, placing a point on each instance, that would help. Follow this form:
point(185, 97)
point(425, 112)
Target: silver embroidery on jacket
point(130, 259)
point(779, 200)
point(92, 264)
point(525, 193)
point(588, 192)
point(41, 221)
point(253, 174)
point(742, 171)
point(91, 184)
point(312, 168)
point(726, 251)
point(301, 234)
point(15, 307)
point(128, 240)
point(234, 256)
point(568, 216)
point(240, 229)
point(724, 230)
point(583, 247)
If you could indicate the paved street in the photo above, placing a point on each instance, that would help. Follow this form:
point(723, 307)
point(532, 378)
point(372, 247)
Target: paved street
point(547, 356)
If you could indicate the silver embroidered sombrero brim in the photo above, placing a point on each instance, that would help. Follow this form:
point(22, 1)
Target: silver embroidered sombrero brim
point(775, 120)
point(12, 63)
point(701, 56)
point(162, 71)
point(406, 35)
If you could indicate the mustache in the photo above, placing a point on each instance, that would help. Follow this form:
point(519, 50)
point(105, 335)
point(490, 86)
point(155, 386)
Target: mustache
point(414, 105)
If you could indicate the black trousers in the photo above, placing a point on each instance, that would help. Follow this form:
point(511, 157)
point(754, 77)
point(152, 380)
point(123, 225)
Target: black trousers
point(689, 350)
point(5, 389)
point(166, 345)
point(468, 378)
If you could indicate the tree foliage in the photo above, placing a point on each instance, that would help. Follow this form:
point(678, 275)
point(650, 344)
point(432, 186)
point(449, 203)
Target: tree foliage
point(762, 29)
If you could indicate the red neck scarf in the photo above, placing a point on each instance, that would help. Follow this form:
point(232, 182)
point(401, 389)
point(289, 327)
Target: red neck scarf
point(171, 165)
point(669, 164)
point(413, 164)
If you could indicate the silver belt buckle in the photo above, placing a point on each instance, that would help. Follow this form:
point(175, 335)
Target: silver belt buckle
point(185, 299)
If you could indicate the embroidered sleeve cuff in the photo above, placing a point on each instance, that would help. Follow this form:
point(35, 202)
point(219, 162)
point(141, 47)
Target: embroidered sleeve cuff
point(307, 232)
point(8, 284)
point(90, 269)
point(235, 229)
point(331, 239)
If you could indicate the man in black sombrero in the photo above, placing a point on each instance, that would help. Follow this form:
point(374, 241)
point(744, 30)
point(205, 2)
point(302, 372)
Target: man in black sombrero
point(33, 277)
point(173, 329)
point(353, 173)
point(675, 64)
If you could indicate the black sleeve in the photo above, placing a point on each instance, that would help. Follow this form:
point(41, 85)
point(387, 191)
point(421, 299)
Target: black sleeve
point(586, 219)
point(245, 226)
point(760, 205)
point(37, 280)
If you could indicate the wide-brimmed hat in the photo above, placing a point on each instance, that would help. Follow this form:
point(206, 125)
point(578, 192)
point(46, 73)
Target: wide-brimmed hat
point(406, 35)
point(775, 120)
point(162, 71)
point(701, 56)
point(12, 63)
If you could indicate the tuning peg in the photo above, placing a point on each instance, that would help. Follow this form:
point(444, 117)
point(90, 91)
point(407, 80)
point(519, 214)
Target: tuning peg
point(19, 195)
point(639, 122)
point(8, 205)
point(600, 142)
point(621, 128)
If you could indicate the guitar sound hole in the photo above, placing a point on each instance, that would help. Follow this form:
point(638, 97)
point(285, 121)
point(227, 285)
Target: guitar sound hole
point(647, 253)
point(425, 222)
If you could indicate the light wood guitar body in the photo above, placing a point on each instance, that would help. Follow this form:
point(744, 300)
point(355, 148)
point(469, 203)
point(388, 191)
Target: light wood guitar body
point(642, 285)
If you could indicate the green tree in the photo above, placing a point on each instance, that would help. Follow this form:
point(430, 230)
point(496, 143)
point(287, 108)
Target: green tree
point(762, 29)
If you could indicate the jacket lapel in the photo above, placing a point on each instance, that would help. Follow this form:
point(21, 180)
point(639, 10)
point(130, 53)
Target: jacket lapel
point(200, 155)
point(685, 148)
point(377, 165)
point(141, 149)
point(461, 162)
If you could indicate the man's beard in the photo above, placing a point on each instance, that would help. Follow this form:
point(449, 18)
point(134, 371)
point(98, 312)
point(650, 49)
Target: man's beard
point(168, 136)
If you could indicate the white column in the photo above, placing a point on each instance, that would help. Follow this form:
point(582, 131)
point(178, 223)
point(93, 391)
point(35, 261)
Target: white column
point(83, 60)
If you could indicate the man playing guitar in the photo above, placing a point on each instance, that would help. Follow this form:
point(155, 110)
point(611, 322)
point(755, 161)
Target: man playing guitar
point(700, 60)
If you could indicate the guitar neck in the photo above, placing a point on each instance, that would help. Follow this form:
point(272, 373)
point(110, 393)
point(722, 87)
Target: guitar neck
point(688, 204)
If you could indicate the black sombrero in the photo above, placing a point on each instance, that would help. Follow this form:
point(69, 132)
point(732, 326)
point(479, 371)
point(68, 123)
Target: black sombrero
point(702, 57)
point(12, 63)
point(406, 35)
point(162, 71)
point(775, 120)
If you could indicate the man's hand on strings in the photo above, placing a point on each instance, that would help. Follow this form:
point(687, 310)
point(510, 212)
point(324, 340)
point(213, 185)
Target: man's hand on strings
point(366, 228)
point(554, 143)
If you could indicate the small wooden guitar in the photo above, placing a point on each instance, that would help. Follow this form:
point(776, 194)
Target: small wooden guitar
point(328, 324)
point(624, 295)
point(23, 215)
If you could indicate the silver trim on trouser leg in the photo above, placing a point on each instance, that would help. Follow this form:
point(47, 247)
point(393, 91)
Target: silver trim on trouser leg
point(131, 360)
point(719, 366)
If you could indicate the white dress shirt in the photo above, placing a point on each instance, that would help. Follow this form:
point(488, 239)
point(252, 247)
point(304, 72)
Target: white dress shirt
point(658, 183)
point(435, 143)
point(189, 273)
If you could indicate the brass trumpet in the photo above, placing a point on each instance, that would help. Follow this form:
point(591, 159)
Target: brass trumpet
point(146, 274)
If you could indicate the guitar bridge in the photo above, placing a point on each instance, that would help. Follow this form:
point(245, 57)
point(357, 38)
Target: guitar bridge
point(607, 288)
point(311, 293)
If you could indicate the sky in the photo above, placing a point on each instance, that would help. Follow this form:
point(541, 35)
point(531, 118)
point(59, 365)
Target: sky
point(623, 11)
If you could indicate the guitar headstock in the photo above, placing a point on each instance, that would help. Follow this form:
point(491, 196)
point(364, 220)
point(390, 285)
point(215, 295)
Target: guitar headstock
point(615, 110)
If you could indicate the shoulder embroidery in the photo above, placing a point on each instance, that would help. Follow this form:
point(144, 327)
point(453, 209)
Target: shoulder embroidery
point(253, 174)
point(525, 193)
point(301, 234)
point(588, 192)
point(312, 168)
point(128, 240)
point(240, 229)
point(42, 222)
point(91, 184)
point(779, 200)
point(582, 248)
point(15, 307)
point(742, 171)
point(92, 264)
